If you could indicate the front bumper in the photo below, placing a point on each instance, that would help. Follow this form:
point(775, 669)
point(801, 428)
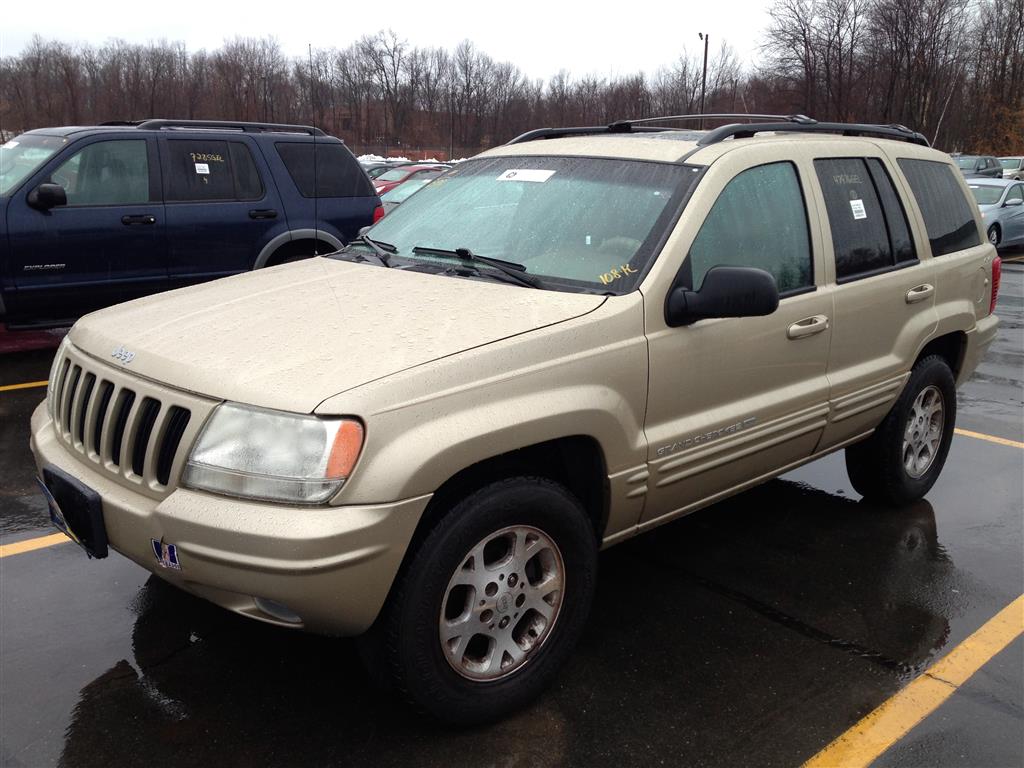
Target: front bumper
point(330, 566)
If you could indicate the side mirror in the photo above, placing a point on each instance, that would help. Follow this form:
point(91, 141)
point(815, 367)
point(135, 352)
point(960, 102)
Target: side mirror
point(1013, 203)
point(726, 292)
point(47, 196)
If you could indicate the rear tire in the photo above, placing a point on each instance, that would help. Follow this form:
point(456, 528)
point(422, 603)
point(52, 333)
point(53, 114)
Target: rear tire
point(491, 604)
point(901, 461)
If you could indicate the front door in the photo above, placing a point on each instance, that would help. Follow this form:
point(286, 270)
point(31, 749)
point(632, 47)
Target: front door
point(105, 246)
point(734, 400)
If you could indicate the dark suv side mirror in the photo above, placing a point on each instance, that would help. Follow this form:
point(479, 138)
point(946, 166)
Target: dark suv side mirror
point(47, 196)
point(725, 292)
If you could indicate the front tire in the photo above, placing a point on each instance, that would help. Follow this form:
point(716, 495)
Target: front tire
point(492, 602)
point(901, 461)
point(994, 236)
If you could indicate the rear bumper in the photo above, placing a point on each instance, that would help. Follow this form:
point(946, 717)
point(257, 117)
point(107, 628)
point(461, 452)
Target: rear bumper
point(979, 339)
point(330, 566)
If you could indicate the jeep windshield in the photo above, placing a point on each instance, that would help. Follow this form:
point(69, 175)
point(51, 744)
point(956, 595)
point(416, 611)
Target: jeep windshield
point(22, 155)
point(577, 223)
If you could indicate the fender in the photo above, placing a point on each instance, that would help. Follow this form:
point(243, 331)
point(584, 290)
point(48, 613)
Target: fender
point(294, 234)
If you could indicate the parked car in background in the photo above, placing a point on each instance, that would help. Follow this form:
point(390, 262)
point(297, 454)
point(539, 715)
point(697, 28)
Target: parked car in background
point(398, 195)
point(1013, 167)
point(391, 179)
point(979, 165)
point(1001, 202)
point(92, 216)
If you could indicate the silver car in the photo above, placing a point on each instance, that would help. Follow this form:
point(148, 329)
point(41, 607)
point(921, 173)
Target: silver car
point(1013, 167)
point(1002, 207)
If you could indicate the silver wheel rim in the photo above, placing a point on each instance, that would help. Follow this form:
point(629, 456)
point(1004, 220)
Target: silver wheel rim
point(923, 433)
point(502, 603)
point(993, 236)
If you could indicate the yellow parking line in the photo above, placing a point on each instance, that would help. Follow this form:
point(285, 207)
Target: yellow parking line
point(26, 385)
point(990, 438)
point(6, 550)
point(879, 730)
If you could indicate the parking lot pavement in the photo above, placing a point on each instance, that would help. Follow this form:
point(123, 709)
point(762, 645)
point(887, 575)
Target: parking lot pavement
point(751, 633)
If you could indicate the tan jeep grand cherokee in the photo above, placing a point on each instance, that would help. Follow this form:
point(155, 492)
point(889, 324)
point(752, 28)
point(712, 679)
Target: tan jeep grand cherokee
point(569, 340)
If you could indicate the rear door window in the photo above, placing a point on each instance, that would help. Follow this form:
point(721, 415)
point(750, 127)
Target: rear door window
point(106, 173)
point(211, 170)
point(948, 217)
point(759, 220)
point(870, 233)
point(338, 173)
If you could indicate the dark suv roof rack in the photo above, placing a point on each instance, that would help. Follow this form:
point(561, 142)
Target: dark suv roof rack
point(745, 130)
point(222, 125)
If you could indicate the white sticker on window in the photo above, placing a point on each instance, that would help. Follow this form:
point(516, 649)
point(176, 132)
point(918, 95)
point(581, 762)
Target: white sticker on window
point(203, 168)
point(9, 145)
point(857, 206)
point(526, 174)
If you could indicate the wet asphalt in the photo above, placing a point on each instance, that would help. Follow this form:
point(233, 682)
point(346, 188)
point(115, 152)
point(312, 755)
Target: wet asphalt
point(750, 633)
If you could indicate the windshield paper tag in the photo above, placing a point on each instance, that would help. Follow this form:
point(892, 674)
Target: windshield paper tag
point(857, 206)
point(526, 174)
point(202, 168)
point(9, 145)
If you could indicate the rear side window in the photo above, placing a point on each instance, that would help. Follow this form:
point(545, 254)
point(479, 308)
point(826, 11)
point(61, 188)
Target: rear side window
point(338, 173)
point(870, 232)
point(211, 170)
point(759, 220)
point(948, 217)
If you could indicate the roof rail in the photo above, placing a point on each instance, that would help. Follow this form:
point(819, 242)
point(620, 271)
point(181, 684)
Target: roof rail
point(155, 125)
point(638, 126)
point(790, 123)
point(740, 131)
point(120, 122)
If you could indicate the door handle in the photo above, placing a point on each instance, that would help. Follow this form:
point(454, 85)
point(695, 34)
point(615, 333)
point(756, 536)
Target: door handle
point(807, 327)
point(919, 293)
point(262, 213)
point(144, 218)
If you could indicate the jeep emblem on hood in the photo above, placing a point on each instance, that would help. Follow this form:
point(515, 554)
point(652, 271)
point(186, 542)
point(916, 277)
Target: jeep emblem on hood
point(123, 355)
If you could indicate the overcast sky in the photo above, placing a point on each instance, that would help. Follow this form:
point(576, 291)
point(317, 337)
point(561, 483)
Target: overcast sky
point(541, 38)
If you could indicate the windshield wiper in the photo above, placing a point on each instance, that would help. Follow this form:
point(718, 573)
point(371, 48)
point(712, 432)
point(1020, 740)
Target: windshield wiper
point(516, 271)
point(379, 248)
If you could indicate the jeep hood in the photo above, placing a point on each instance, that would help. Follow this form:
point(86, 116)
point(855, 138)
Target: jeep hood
point(289, 337)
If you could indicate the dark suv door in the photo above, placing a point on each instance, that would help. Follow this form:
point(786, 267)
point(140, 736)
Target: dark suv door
point(222, 206)
point(106, 245)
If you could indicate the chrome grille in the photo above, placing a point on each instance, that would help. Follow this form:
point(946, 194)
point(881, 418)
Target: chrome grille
point(136, 431)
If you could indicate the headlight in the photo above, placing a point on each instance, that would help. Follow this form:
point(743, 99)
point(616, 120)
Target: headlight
point(273, 455)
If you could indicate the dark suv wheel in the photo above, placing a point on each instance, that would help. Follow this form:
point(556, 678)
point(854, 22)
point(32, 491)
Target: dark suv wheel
point(901, 461)
point(492, 603)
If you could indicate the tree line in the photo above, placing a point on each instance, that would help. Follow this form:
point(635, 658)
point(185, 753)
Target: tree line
point(953, 69)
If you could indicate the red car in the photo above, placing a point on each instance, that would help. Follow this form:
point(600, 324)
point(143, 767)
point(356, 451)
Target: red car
point(391, 179)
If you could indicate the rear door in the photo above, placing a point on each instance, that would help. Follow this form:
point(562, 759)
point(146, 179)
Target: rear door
point(222, 206)
point(105, 246)
point(884, 292)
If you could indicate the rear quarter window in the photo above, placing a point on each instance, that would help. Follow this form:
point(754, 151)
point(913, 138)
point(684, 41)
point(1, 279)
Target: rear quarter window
point(948, 217)
point(338, 173)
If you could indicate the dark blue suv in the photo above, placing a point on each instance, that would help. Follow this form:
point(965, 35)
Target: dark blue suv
point(92, 216)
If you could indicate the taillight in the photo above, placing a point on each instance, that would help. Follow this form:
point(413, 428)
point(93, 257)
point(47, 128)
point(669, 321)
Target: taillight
point(997, 273)
point(378, 213)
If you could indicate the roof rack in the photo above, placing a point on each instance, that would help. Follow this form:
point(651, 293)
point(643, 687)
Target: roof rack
point(788, 123)
point(223, 125)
